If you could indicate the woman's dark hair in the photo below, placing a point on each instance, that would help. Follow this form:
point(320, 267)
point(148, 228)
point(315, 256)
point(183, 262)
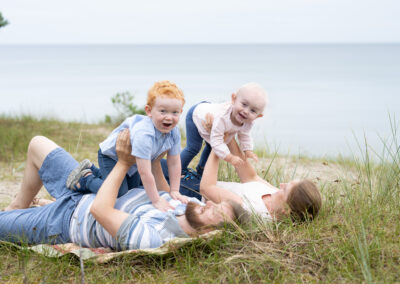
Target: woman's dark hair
point(304, 201)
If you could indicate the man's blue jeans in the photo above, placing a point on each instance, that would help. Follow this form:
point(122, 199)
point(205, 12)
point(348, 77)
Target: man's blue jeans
point(50, 223)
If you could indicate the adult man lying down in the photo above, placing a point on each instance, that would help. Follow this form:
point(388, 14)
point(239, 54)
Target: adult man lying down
point(102, 220)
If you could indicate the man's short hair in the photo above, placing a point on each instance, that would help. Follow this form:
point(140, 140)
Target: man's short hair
point(240, 216)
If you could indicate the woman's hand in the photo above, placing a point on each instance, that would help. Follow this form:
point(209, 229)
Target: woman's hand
point(124, 148)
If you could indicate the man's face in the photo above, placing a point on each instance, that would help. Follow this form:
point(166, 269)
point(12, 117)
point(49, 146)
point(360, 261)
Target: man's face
point(165, 113)
point(211, 214)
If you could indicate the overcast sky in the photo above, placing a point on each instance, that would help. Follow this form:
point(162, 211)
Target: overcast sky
point(205, 21)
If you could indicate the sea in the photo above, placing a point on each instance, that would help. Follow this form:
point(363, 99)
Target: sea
point(325, 100)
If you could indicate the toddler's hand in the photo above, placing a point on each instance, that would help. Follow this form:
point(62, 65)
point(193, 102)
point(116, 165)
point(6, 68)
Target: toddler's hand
point(251, 155)
point(163, 205)
point(177, 196)
point(234, 160)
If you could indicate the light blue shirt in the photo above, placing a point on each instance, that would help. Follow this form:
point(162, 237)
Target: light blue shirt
point(147, 141)
point(146, 226)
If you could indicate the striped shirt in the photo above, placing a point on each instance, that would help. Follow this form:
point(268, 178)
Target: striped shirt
point(146, 227)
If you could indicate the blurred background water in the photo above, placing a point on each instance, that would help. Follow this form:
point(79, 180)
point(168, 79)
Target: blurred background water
point(322, 97)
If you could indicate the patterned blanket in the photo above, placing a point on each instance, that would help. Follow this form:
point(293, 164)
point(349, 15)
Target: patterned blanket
point(103, 255)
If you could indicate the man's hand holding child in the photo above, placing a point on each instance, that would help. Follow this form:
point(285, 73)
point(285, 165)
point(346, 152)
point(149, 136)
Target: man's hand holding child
point(123, 148)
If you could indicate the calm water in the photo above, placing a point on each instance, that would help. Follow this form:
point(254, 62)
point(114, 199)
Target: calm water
point(321, 96)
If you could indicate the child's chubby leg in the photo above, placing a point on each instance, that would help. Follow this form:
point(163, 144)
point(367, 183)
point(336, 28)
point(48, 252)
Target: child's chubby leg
point(38, 149)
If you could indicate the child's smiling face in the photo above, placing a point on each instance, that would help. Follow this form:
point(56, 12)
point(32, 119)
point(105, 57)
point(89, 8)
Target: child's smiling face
point(246, 107)
point(165, 113)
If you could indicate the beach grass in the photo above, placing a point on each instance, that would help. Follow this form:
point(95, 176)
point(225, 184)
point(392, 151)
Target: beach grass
point(355, 238)
point(77, 138)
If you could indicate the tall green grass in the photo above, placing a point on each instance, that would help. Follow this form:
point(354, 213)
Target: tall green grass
point(354, 239)
point(16, 132)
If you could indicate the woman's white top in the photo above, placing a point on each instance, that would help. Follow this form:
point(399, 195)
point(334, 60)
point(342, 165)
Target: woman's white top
point(251, 193)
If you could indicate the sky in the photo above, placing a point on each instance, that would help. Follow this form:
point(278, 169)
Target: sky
point(206, 21)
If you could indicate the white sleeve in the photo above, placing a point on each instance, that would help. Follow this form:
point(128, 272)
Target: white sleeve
point(245, 140)
point(217, 138)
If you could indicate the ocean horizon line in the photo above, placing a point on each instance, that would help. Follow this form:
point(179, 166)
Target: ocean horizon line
point(208, 44)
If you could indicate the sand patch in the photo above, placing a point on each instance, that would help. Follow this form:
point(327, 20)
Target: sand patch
point(320, 171)
point(10, 182)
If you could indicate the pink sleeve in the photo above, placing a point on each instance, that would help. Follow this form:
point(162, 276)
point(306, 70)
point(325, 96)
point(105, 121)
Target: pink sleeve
point(245, 140)
point(217, 138)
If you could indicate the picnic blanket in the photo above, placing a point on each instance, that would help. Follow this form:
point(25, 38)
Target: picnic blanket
point(103, 255)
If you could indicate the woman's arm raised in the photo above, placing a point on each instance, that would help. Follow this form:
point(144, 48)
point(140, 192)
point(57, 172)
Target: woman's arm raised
point(246, 172)
point(208, 184)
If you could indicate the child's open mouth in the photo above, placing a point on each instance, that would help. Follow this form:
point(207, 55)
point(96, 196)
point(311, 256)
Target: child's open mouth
point(242, 116)
point(166, 124)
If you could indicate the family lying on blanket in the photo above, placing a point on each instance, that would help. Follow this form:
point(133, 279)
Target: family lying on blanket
point(108, 207)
